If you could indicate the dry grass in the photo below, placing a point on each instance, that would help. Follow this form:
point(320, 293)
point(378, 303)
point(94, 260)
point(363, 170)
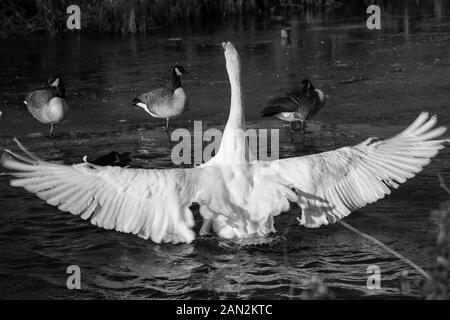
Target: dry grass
point(129, 16)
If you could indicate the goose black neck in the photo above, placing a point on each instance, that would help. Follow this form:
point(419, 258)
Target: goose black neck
point(307, 86)
point(176, 81)
point(61, 91)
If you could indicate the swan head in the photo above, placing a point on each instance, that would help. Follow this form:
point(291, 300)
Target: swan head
point(230, 51)
point(232, 58)
point(57, 82)
point(179, 70)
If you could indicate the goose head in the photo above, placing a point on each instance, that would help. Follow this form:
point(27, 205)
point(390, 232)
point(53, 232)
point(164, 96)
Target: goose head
point(307, 85)
point(57, 82)
point(179, 70)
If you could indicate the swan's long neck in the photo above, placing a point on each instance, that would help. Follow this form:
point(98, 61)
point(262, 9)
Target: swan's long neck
point(234, 147)
point(236, 119)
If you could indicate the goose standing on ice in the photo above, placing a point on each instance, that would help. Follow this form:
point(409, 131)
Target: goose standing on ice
point(299, 104)
point(163, 102)
point(48, 104)
point(238, 197)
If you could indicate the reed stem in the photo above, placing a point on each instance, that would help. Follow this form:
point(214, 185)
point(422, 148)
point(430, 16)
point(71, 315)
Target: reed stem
point(385, 247)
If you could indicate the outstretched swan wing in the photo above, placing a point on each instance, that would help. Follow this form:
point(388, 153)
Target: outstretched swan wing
point(333, 184)
point(149, 203)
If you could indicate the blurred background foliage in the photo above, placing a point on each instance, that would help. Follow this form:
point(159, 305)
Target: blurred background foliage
point(131, 16)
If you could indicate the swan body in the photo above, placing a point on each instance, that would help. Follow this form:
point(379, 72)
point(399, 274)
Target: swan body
point(48, 104)
point(163, 102)
point(299, 104)
point(238, 195)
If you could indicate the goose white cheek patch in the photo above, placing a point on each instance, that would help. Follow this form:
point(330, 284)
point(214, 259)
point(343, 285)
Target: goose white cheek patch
point(321, 95)
point(55, 83)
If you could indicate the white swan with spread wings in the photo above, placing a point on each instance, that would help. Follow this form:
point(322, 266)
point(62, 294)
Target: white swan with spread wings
point(238, 196)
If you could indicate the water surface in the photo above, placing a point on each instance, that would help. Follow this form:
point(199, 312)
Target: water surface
point(376, 83)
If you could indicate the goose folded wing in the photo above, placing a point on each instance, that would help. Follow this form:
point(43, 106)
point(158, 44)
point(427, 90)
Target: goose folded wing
point(157, 96)
point(148, 203)
point(333, 184)
point(289, 103)
point(40, 96)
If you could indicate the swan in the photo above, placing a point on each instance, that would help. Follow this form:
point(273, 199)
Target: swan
point(299, 104)
point(163, 102)
point(238, 195)
point(47, 104)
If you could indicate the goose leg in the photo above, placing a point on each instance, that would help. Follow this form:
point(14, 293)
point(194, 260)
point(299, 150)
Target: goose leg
point(302, 126)
point(290, 127)
point(166, 129)
point(51, 130)
point(291, 132)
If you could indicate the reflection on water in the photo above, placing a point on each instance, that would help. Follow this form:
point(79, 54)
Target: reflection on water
point(376, 82)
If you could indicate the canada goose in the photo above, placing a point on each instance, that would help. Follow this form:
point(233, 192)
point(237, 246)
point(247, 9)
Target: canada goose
point(163, 102)
point(286, 36)
point(238, 196)
point(299, 104)
point(47, 104)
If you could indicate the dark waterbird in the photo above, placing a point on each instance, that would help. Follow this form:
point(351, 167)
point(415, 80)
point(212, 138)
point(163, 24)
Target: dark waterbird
point(47, 104)
point(163, 102)
point(113, 159)
point(297, 105)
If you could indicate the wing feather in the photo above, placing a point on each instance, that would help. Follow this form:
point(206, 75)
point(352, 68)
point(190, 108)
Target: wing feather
point(149, 203)
point(333, 184)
